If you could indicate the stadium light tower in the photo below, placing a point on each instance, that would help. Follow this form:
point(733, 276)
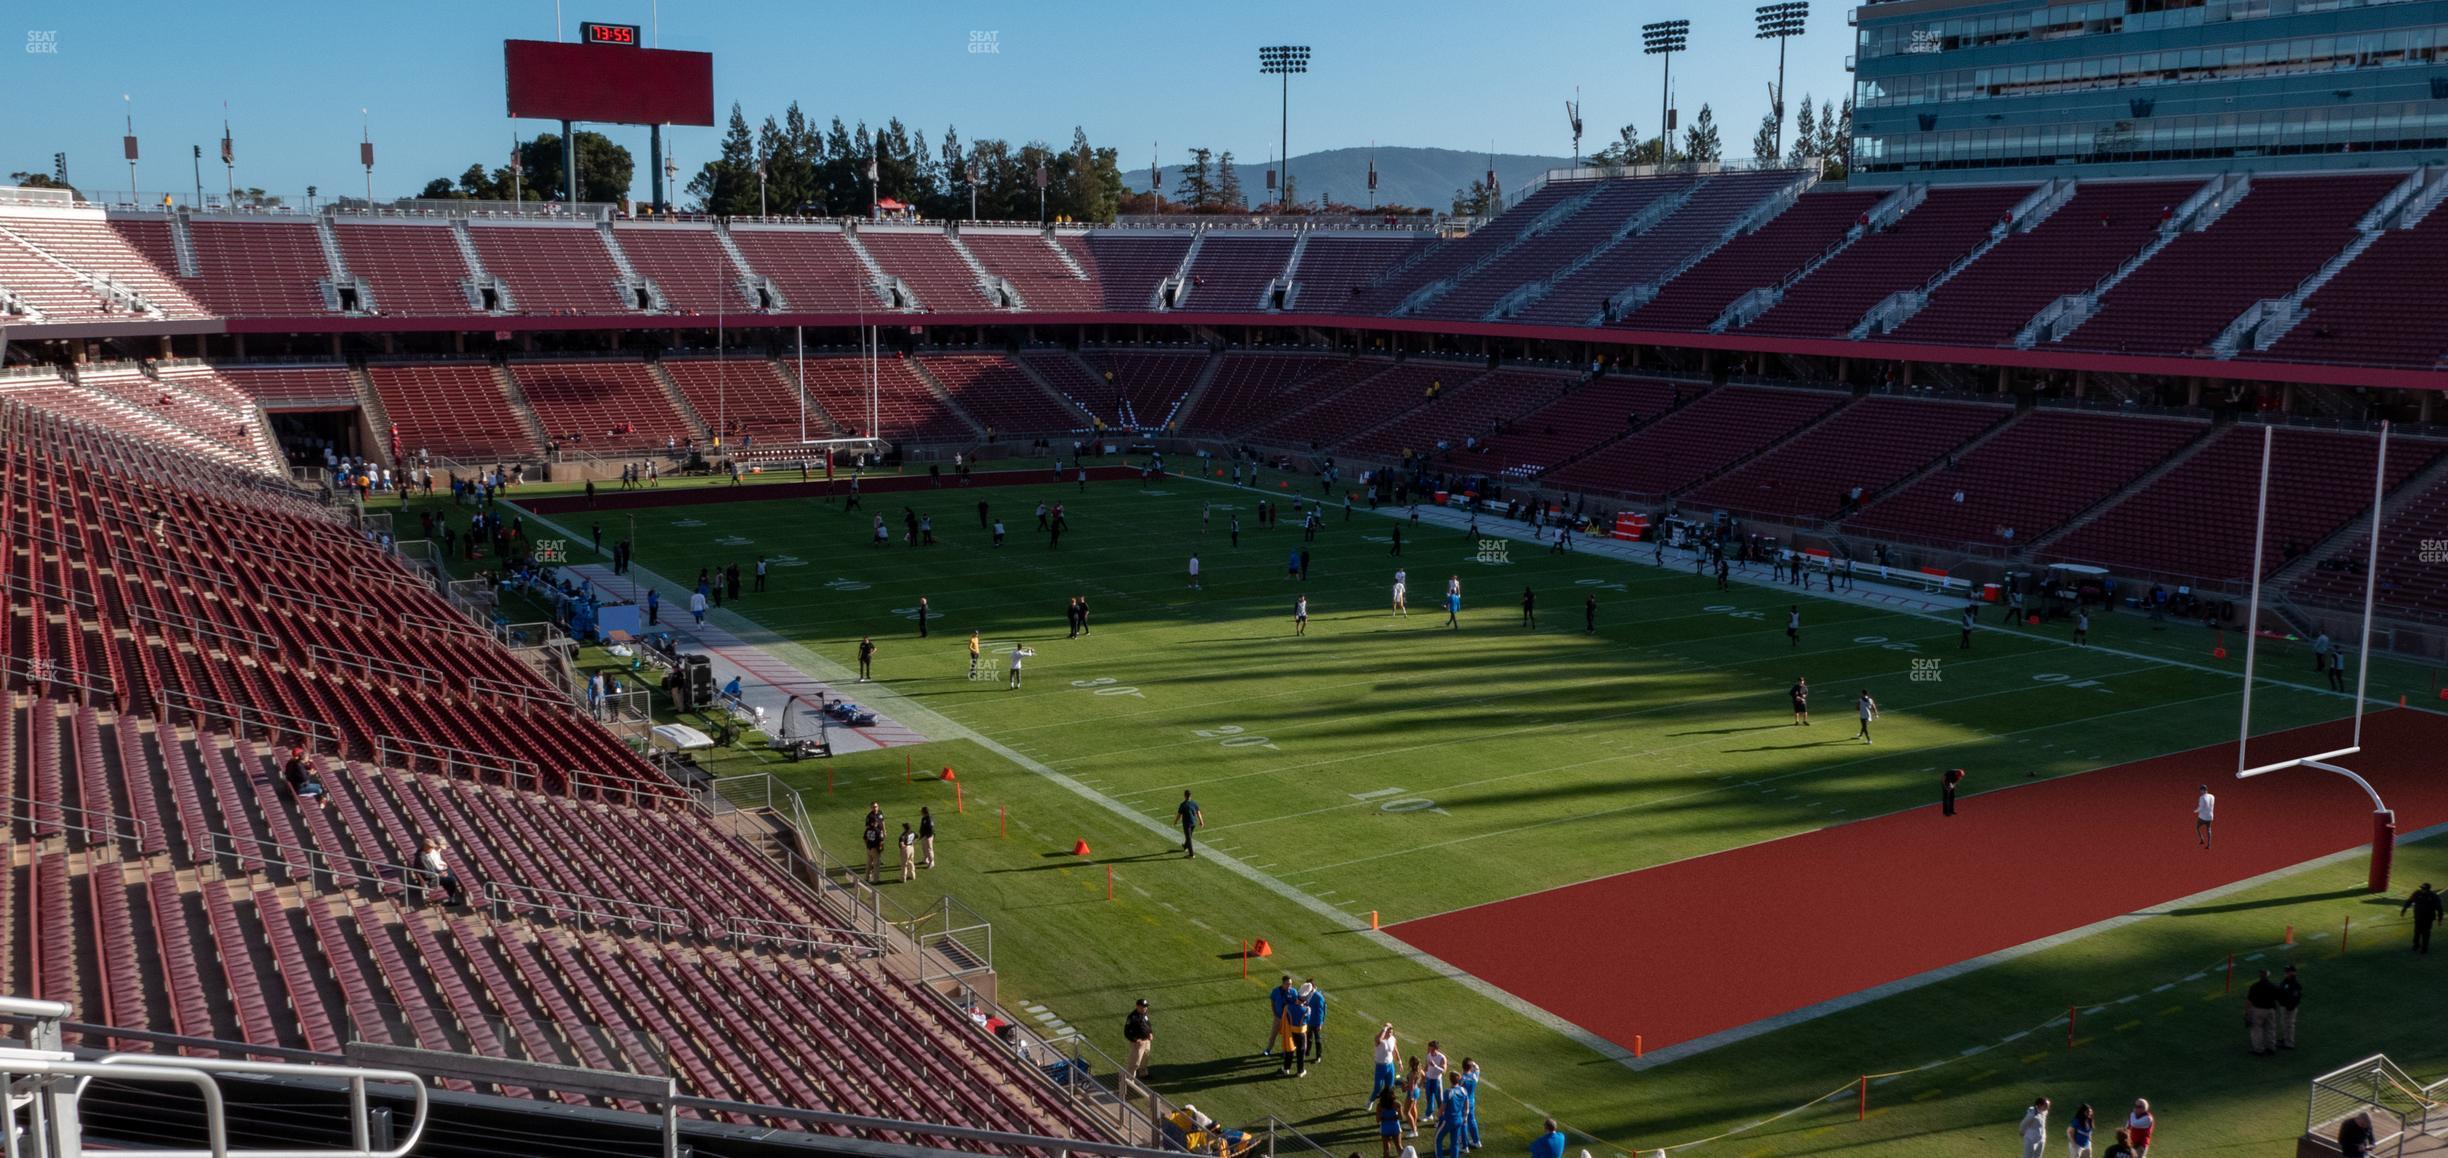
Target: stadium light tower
point(1665, 38)
point(1284, 60)
point(1781, 22)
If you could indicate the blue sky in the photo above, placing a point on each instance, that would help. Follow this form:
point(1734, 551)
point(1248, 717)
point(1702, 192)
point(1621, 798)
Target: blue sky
point(295, 75)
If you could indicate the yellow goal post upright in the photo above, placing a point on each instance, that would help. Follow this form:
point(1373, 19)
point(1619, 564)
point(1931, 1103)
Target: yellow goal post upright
point(2384, 822)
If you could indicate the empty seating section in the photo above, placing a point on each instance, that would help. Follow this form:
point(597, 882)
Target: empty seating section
point(1138, 391)
point(2044, 468)
point(133, 254)
point(607, 404)
point(1369, 400)
point(1030, 263)
point(1588, 416)
point(552, 269)
point(904, 409)
point(409, 270)
point(2196, 522)
point(1593, 225)
point(815, 269)
point(687, 266)
point(1872, 444)
point(1250, 390)
point(2282, 231)
point(2086, 239)
point(2388, 307)
point(1460, 414)
point(34, 282)
point(1451, 258)
point(1233, 270)
point(1128, 266)
point(293, 387)
point(924, 260)
point(999, 394)
point(2411, 583)
point(1704, 436)
point(252, 268)
point(1335, 266)
point(1913, 248)
point(1762, 257)
point(1069, 376)
point(194, 423)
point(746, 395)
point(451, 409)
point(1698, 223)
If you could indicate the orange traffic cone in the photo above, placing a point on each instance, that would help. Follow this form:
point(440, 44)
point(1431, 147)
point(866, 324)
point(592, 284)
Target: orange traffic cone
point(1080, 848)
point(1260, 948)
point(947, 773)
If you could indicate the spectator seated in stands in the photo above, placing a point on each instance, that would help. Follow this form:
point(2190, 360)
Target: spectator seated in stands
point(437, 872)
point(303, 782)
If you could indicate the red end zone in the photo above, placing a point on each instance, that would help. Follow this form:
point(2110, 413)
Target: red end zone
point(1684, 950)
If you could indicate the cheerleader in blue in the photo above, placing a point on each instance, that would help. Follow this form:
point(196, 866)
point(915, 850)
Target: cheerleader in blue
point(1470, 1115)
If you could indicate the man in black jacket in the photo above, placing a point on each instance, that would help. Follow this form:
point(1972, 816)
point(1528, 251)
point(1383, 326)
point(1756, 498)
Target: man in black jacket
point(1141, 1036)
point(2426, 906)
point(2261, 1015)
point(2290, 1001)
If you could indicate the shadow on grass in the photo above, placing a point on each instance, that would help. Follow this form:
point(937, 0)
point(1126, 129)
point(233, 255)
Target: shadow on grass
point(1058, 857)
point(1732, 731)
point(2266, 903)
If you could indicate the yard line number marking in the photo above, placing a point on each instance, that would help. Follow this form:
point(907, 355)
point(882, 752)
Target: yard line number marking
point(1401, 803)
point(1235, 736)
point(1107, 686)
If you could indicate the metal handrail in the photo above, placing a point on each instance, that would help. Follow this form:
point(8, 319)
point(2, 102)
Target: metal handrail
point(32, 805)
point(411, 751)
point(241, 715)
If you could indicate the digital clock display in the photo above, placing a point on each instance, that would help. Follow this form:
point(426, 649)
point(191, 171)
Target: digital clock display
point(621, 34)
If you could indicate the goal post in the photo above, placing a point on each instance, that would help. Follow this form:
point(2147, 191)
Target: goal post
point(2384, 821)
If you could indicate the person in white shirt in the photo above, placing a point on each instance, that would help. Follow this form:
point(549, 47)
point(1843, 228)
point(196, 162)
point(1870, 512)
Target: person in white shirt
point(1433, 1069)
point(1868, 709)
point(1018, 654)
point(1388, 1052)
point(2035, 1129)
point(1401, 605)
point(2205, 810)
point(438, 872)
point(1194, 579)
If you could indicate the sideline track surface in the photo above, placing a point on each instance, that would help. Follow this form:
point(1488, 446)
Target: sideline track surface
point(1684, 950)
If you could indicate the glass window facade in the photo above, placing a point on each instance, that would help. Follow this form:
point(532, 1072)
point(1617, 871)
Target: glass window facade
point(2004, 88)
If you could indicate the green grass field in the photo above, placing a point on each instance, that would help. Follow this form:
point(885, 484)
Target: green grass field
point(1390, 765)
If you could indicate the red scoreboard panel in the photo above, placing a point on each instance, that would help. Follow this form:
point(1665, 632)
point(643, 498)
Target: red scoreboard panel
point(609, 83)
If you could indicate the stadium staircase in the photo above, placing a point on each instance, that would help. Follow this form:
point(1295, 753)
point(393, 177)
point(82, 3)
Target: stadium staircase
point(341, 278)
point(997, 289)
point(1642, 222)
point(754, 286)
point(1744, 309)
point(1280, 292)
point(2196, 213)
point(1171, 289)
point(1942, 461)
point(1069, 404)
point(116, 294)
point(479, 279)
point(2408, 1115)
point(894, 292)
point(679, 402)
point(2147, 479)
point(529, 420)
point(788, 372)
point(636, 289)
point(1554, 217)
point(369, 403)
point(2267, 320)
point(2027, 214)
point(1064, 255)
point(935, 386)
point(182, 247)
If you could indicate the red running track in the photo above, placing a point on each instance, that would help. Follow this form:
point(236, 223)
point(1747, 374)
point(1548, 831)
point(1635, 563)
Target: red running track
point(1688, 949)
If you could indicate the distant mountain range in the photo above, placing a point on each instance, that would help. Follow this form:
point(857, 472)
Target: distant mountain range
point(1422, 178)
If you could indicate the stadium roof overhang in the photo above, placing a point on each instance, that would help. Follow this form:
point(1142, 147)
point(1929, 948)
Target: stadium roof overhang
point(2049, 358)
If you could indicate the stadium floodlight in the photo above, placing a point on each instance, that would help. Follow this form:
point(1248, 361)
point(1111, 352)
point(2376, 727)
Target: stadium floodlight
point(1781, 22)
point(1665, 38)
point(1284, 60)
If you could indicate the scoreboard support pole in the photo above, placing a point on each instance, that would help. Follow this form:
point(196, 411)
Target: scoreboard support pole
point(569, 165)
point(654, 160)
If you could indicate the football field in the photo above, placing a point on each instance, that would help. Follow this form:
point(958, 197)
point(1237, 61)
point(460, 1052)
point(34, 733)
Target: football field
point(1391, 767)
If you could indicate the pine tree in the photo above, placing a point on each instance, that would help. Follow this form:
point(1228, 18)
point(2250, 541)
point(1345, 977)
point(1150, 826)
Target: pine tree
point(1197, 191)
point(1805, 133)
point(1700, 139)
point(1764, 142)
point(1229, 197)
